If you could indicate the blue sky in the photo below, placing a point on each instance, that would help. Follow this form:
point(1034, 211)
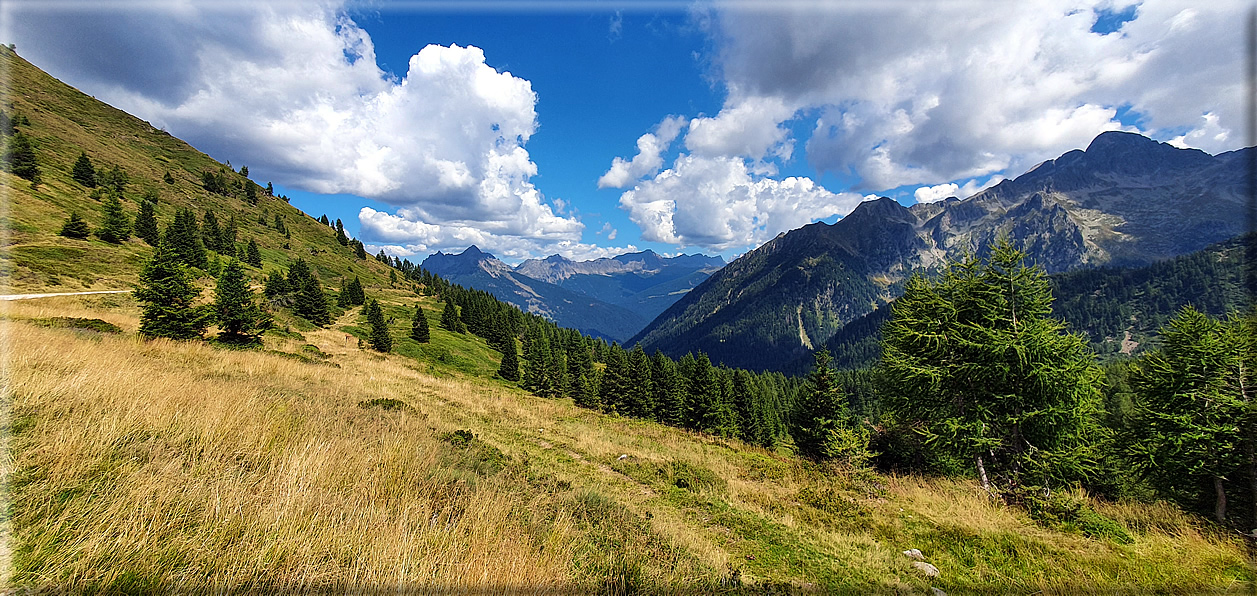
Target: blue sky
point(590, 129)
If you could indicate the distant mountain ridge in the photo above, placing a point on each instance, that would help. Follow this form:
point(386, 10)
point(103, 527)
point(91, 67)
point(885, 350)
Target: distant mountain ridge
point(609, 297)
point(1125, 201)
point(646, 282)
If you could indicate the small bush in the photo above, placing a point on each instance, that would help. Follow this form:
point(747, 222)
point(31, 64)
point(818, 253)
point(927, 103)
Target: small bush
point(459, 438)
point(96, 325)
point(387, 404)
point(1071, 512)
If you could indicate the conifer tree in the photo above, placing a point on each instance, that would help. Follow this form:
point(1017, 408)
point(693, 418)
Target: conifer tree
point(702, 396)
point(169, 297)
point(359, 250)
point(420, 333)
point(1194, 426)
point(146, 224)
point(240, 319)
point(311, 303)
point(75, 227)
point(250, 193)
point(276, 285)
point(976, 362)
point(227, 237)
point(509, 368)
point(210, 233)
point(450, 319)
point(342, 297)
point(19, 157)
point(613, 390)
point(115, 226)
point(340, 234)
point(639, 392)
point(380, 338)
point(252, 255)
point(819, 412)
point(83, 172)
point(669, 393)
point(184, 236)
point(357, 296)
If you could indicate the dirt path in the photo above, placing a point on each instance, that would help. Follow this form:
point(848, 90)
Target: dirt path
point(29, 296)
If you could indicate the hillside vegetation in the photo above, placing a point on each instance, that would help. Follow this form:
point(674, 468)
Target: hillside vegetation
point(311, 463)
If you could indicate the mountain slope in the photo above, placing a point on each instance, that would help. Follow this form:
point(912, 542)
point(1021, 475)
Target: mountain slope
point(1125, 201)
point(644, 282)
point(476, 269)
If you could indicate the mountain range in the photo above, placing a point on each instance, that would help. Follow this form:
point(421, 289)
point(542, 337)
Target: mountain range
point(611, 298)
point(1125, 201)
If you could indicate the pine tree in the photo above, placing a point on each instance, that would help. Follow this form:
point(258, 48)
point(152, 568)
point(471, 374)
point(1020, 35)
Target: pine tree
point(419, 327)
point(819, 411)
point(359, 250)
point(240, 319)
point(1194, 425)
point(703, 396)
point(115, 226)
point(639, 392)
point(19, 157)
point(357, 297)
point(169, 298)
point(977, 364)
point(311, 303)
point(669, 393)
point(509, 368)
point(75, 227)
point(342, 297)
point(210, 233)
point(450, 319)
point(250, 193)
point(380, 339)
point(340, 234)
point(244, 171)
point(83, 172)
point(323, 220)
point(184, 236)
point(252, 255)
point(270, 189)
point(276, 285)
point(146, 224)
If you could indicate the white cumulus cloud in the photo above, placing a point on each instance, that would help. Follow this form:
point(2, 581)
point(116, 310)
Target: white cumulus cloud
point(716, 203)
point(934, 92)
point(294, 91)
point(649, 158)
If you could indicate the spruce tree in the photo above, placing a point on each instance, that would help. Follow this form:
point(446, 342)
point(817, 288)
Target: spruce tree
point(357, 296)
point(323, 220)
point(227, 238)
point(359, 250)
point(75, 227)
point(276, 285)
point(819, 412)
point(240, 319)
point(250, 193)
point(311, 303)
point(115, 226)
point(340, 234)
point(380, 339)
point(613, 391)
point(184, 236)
point(419, 329)
point(975, 361)
point(669, 394)
point(169, 298)
point(1194, 426)
point(252, 255)
point(639, 398)
point(146, 224)
point(342, 297)
point(83, 172)
point(210, 233)
point(450, 319)
point(20, 158)
point(509, 369)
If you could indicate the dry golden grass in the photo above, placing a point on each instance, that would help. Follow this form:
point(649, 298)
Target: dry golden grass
point(176, 464)
point(162, 465)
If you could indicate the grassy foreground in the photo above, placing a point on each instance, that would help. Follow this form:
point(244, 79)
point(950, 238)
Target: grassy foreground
point(141, 466)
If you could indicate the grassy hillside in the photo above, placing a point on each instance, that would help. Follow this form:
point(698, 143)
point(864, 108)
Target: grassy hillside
point(65, 122)
point(139, 466)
